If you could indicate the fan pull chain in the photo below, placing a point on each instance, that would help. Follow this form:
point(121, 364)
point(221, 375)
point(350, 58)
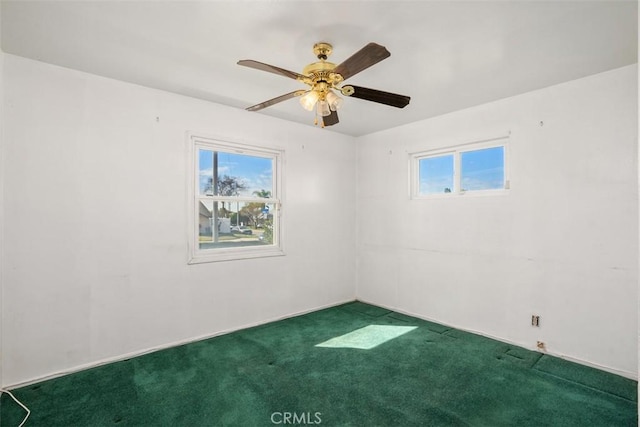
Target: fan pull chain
point(315, 122)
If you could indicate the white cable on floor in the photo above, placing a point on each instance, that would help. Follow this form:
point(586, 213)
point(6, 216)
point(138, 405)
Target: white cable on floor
point(19, 403)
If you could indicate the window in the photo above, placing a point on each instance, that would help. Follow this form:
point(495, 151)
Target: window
point(478, 168)
point(235, 201)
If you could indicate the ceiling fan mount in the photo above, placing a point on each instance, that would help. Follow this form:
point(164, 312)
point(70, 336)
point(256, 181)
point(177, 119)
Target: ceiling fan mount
point(322, 50)
point(324, 79)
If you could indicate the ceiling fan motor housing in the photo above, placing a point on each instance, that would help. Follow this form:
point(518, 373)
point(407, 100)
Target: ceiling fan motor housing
point(321, 75)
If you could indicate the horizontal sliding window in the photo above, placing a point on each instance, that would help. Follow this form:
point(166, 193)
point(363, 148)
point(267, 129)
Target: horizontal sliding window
point(477, 168)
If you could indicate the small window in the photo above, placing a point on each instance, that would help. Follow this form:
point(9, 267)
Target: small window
point(478, 168)
point(235, 201)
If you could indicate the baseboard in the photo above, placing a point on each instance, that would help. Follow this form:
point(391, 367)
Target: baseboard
point(626, 374)
point(138, 353)
point(133, 354)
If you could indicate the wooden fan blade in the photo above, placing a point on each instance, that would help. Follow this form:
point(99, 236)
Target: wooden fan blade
point(392, 99)
point(270, 68)
point(331, 119)
point(364, 58)
point(273, 101)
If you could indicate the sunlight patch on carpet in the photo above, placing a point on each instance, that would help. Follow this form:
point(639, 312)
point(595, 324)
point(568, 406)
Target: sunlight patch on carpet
point(368, 337)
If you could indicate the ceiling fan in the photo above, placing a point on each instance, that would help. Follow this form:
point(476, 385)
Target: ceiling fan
point(325, 79)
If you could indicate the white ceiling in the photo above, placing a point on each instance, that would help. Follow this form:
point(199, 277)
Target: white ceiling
point(446, 55)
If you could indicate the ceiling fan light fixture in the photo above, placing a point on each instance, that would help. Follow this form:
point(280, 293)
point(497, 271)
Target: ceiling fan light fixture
point(335, 102)
point(324, 78)
point(309, 100)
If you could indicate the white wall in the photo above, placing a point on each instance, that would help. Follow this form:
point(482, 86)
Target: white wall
point(1, 199)
point(562, 244)
point(94, 261)
point(95, 221)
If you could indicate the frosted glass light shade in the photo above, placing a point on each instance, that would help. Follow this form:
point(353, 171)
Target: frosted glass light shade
point(309, 100)
point(323, 108)
point(335, 102)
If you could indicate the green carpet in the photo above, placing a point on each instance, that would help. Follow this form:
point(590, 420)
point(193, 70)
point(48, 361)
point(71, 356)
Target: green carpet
point(276, 374)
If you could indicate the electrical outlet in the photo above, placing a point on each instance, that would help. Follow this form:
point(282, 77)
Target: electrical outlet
point(535, 320)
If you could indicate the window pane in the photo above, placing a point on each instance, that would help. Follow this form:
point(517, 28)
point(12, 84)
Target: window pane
point(482, 169)
point(436, 174)
point(239, 224)
point(205, 172)
point(237, 174)
point(242, 175)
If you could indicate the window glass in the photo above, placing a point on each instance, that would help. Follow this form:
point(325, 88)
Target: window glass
point(238, 174)
point(239, 224)
point(482, 169)
point(436, 174)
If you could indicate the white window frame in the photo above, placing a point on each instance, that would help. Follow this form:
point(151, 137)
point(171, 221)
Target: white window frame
point(197, 255)
point(457, 151)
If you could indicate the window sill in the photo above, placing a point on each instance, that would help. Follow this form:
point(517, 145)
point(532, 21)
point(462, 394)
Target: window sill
point(232, 255)
point(464, 194)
